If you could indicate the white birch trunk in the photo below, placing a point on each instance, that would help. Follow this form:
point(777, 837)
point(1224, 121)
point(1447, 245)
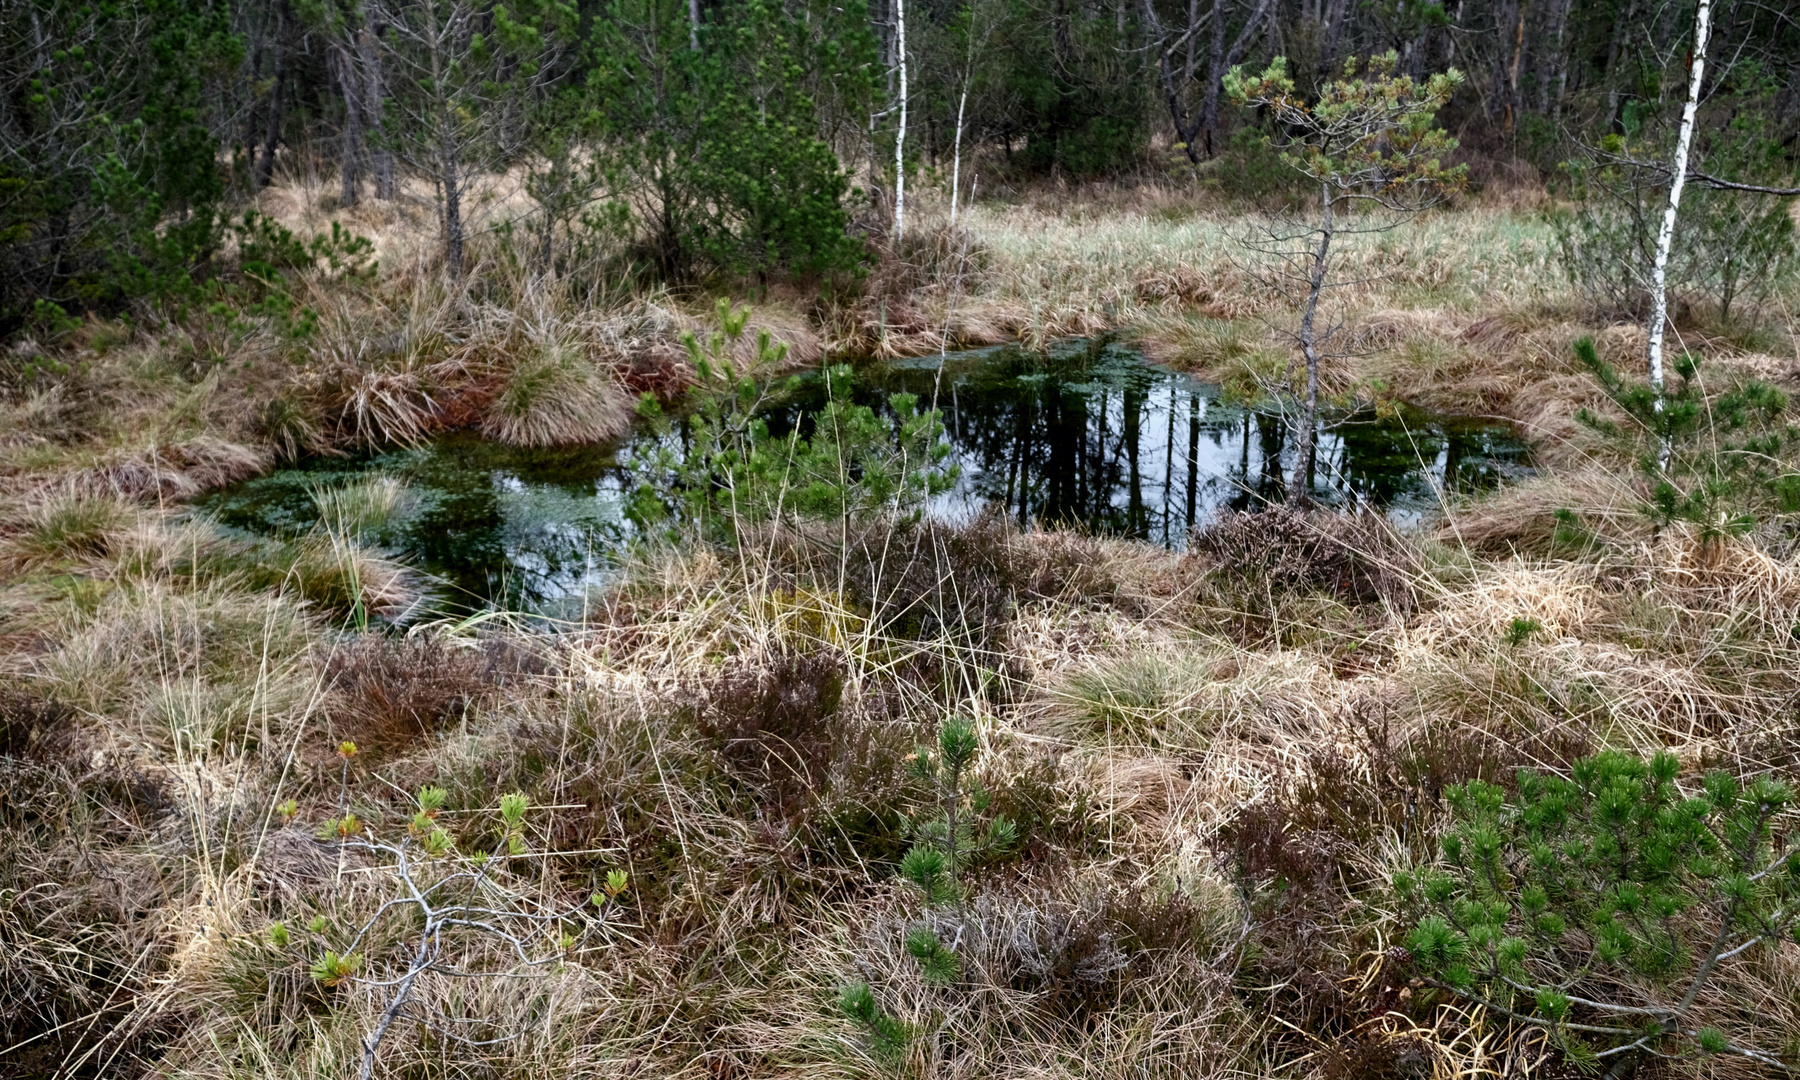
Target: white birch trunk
point(900, 140)
point(956, 158)
point(1659, 292)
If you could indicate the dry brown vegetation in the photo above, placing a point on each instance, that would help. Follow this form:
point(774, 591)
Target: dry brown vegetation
point(1216, 759)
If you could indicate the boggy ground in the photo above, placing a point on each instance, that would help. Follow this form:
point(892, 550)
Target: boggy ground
point(1462, 310)
point(1215, 760)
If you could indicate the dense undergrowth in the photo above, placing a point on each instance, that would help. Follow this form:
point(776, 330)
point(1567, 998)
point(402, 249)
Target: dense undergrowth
point(1212, 764)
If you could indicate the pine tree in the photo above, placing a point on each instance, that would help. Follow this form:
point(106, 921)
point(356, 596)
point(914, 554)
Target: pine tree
point(1368, 142)
point(1598, 906)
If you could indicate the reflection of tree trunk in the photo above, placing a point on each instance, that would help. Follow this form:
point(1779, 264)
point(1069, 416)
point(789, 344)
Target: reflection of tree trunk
point(1092, 478)
point(1072, 430)
point(1059, 446)
point(1270, 436)
point(1133, 403)
point(1023, 425)
point(1453, 455)
point(1168, 467)
point(1193, 455)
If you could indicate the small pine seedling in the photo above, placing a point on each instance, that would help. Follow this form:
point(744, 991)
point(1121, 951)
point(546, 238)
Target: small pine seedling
point(886, 1031)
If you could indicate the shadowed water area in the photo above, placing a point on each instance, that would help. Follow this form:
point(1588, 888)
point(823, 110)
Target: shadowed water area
point(1088, 434)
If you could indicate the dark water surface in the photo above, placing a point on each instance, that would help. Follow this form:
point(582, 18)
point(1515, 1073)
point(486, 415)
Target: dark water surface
point(1088, 435)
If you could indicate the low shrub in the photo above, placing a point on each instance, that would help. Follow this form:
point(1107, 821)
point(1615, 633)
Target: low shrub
point(33, 726)
point(388, 693)
point(777, 727)
point(1357, 558)
point(1597, 907)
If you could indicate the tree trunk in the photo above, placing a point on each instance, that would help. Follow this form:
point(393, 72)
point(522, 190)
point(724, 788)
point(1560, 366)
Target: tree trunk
point(450, 176)
point(1215, 74)
point(900, 138)
point(1788, 104)
point(1223, 63)
point(1615, 49)
point(1306, 438)
point(1177, 80)
point(350, 154)
point(1513, 99)
point(956, 156)
point(1334, 29)
point(1556, 70)
point(1503, 101)
point(256, 68)
point(1665, 236)
point(265, 168)
point(381, 157)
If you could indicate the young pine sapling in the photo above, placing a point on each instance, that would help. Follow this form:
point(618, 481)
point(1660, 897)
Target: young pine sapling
point(726, 468)
point(950, 839)
point(1369, 142)
point(1714, 462)
point(1599, 907)
point(447, 900)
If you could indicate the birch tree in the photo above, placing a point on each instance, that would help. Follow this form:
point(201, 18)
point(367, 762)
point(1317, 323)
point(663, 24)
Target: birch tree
point(900, 137)
point(1659, 281)
point(1369, 142)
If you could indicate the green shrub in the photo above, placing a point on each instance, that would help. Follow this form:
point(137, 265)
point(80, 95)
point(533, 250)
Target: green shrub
point(728, 470)
point(1076, 88)
point(1734, 249)
point(1712, 461)
point(448, 897)
point(1599, 906)
point(717, 147)
point(958, 832)
point(109, 179)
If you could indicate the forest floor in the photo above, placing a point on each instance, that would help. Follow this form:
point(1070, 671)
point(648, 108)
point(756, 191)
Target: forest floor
point(1215, 760)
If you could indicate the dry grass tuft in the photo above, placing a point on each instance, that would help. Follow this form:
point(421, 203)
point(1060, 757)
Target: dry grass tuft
point(176, 471)
point(71, 523)
point(555, 395)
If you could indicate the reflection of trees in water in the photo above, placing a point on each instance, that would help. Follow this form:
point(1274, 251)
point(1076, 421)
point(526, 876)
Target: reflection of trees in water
point(1118, 447)
point(1093, 438)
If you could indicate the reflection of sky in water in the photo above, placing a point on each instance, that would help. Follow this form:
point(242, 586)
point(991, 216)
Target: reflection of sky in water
point(1089, 435)
point(493, 523)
